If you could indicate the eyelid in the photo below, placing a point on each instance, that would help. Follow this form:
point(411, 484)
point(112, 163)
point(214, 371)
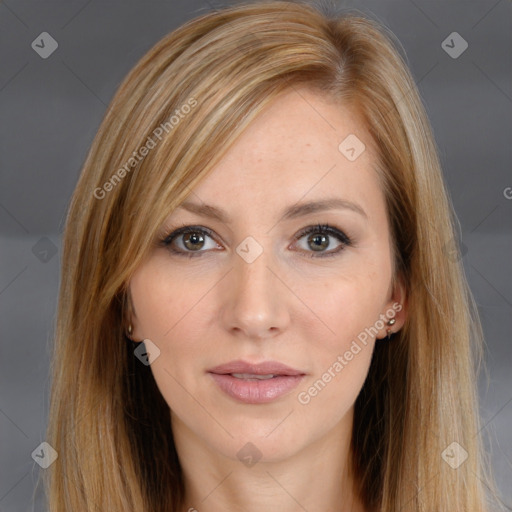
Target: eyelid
point(329, 230)
point(182, 229)
point(324, 228)
point(185, 228)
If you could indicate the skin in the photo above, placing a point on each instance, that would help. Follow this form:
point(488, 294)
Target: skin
point(284, 306)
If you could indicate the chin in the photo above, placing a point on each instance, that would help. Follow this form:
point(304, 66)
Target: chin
point(268, 440)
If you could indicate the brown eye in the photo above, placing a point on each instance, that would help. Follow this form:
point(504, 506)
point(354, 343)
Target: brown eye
point(319, 239)
point(190, 241)
point(193, 240)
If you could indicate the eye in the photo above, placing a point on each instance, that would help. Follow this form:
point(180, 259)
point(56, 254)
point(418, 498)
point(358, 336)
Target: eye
point(318, 238)
point(190, 241)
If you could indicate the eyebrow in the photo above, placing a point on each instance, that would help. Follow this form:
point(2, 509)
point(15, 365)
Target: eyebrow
point(292, 212)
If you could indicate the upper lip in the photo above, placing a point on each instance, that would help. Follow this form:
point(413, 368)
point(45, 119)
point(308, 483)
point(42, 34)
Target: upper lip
point(264, 368)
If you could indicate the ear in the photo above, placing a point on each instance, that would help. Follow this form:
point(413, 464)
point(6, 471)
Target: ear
point(396, 307)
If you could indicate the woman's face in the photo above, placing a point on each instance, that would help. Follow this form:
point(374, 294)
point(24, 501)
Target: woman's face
point(252, 288)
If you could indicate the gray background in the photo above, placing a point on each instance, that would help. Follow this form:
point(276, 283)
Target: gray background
point(51, 109)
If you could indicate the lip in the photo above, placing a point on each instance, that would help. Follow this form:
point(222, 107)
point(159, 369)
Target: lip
point(252, 391)
point(264, 368)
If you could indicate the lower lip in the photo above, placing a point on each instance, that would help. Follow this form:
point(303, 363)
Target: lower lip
point(256, 391)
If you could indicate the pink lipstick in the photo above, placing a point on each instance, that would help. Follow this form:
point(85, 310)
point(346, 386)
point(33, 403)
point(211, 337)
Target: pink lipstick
point(255, 383)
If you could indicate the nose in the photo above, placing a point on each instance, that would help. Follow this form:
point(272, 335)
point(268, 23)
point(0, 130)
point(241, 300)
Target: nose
point(256, 300)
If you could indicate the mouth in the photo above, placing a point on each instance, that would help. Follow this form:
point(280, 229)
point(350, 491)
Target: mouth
point(256, 383)
point(252, 376)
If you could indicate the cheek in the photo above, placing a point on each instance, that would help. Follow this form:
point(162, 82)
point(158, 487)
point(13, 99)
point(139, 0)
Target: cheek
point(164, 304)
point(162, 300)
point(349, 308)
point(340, 359)
point(346, 305)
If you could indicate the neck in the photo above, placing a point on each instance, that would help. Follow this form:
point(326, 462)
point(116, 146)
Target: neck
point(318, 478)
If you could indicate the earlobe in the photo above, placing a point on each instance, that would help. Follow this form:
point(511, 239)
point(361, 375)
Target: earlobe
point(392, 321)
point(397, 308)
point(129, 332)
point(129, 315)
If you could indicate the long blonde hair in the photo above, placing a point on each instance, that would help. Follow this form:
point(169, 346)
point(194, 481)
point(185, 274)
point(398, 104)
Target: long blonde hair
point(198, 89)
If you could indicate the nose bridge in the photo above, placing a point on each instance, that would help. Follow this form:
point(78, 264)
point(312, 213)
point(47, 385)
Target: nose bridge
point(255, 303)
point(253, 278)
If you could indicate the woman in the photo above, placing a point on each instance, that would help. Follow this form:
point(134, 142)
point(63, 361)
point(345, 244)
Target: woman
point(263, 208)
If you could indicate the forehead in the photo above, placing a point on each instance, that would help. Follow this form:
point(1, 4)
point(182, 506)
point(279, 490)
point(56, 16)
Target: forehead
point(292, 151)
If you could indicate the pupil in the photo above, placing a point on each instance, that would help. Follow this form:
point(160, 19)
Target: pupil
point(194, 239)
point(317, 241)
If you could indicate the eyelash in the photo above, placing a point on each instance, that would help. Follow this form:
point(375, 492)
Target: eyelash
point(324, 229)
